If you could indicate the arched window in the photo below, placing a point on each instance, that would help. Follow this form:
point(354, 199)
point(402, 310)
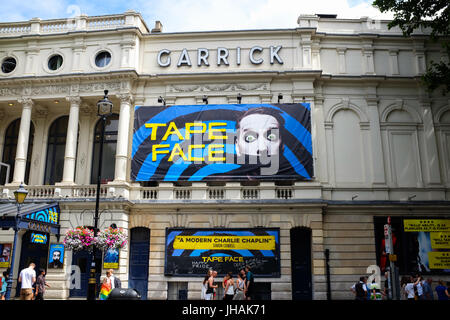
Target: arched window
point(10, 148)
point(56, 147)
point(109, 149)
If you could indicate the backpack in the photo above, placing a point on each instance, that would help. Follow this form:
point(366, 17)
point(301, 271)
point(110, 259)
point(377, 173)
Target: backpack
point(360, 292)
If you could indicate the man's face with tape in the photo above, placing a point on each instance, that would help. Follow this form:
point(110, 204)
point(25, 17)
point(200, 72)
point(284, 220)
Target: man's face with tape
point(258, 135)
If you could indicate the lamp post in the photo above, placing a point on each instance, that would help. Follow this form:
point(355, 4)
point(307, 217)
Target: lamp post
point(20, 195)
point(104, 109)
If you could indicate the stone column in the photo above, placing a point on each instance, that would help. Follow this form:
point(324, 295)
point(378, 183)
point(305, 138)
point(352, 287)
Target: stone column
point(71, 141)
point(22, 141)
point(431, 154)
point(120, 173)
point(378, 170)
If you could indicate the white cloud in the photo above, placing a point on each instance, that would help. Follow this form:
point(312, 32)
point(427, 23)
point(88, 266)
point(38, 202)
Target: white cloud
point(206, 15)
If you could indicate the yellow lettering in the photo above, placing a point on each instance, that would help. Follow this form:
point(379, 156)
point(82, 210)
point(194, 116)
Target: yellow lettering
point(154, 127)
point(172, 129)
point(211, 130)
point(195, 146)
point(211, 152)
point(189, 125)
point(155, 152)
point(177, 151)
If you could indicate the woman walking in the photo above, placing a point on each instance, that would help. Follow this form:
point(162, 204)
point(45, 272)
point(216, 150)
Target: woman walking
point(205, 284)
point(106, 287)
point(229, 287)
point(240, 286)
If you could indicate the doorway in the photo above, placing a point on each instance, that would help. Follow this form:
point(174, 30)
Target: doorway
point(301, 263)
point(83, 260)
point(139, 260)
point(35, 251)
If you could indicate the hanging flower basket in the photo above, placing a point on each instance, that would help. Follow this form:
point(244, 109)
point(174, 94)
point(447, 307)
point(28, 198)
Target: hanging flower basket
point(111, 238)
point(80, 238)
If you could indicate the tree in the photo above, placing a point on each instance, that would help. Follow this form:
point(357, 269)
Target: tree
point(433, 14)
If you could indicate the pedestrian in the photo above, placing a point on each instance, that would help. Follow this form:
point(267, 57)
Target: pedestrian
point(4, 285)
point(205, 284)
point(403, 283)
point(229, 287)
point(427, 289)
point(240, 286)
point(27, 278)
point(418, 287)
point(106, 286)
point(385, 292)
point(442, 291)
point(249, 284)
point(209, 294)
point(40, 285)
point(359, 289)
point(409, 289)
point(115, 282)
point(375, 291)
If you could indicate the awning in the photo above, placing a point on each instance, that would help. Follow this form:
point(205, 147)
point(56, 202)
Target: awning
point(41, 217)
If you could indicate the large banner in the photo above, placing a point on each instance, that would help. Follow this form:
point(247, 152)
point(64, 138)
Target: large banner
point(191, 252)
point(226, 142)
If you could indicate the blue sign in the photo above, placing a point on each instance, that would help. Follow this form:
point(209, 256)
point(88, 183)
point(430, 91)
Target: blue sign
point(38, 238)
point(222, 142)
point(48, 215)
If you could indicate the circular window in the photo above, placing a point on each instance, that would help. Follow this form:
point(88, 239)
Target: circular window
point(8, 65)
point(102, 59)
point(55, 62)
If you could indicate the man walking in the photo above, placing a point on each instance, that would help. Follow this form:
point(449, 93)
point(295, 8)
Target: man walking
point(360, 289)
point(40, 285)
point(115, 282)
point(249, 284)
point(27, 278)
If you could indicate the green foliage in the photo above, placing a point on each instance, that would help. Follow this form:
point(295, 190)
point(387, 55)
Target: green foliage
point(430, 14)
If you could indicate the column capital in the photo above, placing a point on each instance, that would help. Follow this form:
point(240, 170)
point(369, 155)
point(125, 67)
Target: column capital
point(125, 97)
point(74, 100)
point(26, 101)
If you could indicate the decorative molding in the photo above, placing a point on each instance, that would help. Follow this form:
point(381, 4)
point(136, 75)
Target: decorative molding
point(74, 100)
point(26, 101)
point(220, 87)
point(10, 91)
point(345, 104)
point(125, 98)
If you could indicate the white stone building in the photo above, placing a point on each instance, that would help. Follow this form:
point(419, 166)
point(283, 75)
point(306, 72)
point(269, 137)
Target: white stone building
point(381, 143)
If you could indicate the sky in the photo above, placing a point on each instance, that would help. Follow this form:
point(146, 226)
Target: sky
point(195, 15)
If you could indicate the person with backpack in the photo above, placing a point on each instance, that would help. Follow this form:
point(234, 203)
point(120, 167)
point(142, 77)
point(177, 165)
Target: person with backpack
point(359, 289)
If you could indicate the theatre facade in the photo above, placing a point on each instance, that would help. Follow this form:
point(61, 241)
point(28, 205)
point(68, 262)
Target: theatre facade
point(337, 102)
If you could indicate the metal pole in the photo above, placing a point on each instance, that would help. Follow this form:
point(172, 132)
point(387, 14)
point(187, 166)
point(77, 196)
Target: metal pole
point(327, 260)
point(11, 265)
point(92, 284)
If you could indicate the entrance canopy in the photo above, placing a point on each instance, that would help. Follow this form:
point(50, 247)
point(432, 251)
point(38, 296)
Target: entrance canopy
point(41, 217)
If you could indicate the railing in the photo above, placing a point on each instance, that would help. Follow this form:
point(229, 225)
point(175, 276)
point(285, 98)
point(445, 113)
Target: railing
point(182, 193)
point(170, 192)
point(79, 23)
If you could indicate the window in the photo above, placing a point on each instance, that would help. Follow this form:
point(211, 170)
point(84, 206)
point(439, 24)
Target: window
point(8, 65)
point(56, 147)
point(102, 59)
point(10, 148)
point(55, 62)
point(109, 149)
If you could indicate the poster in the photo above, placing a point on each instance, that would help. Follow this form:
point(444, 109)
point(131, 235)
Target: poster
point(222, 141)
point(432, 239)
point(5, 257)
point(191, 252)
point(111, 259)
point(56, 256)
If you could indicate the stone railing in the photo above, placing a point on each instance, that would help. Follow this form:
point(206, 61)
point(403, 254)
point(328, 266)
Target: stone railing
point(37, 26)
point(170, 192)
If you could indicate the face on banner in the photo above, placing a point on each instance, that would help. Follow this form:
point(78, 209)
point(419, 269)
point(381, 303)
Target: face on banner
point(56, 256)
point(228, 142)
point(192, 252)
point(5, 254)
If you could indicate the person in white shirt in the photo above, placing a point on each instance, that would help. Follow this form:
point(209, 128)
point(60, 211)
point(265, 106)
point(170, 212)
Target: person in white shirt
point(409, 289)
point(27, 278)
point(115, 282)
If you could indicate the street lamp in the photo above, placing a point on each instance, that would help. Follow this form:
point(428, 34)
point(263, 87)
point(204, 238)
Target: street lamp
point(20, 195)
point(104, 110)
